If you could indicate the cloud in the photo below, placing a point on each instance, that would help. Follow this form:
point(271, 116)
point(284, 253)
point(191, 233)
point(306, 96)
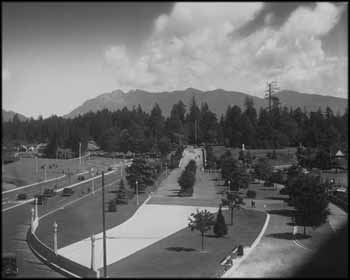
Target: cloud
point(6, 75)
point(193, 47)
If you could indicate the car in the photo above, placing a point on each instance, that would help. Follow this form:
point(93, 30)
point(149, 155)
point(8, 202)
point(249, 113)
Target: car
point(40, 198)
point(67, 192)
point(49, 193)
point(21, 196)
point(81, 178)
point(9, 264)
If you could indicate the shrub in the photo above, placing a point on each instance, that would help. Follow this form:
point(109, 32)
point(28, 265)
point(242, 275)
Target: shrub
point(251, 194)
point(112, 206)
point(220, 228)
point(283, 191)
point(268, 183)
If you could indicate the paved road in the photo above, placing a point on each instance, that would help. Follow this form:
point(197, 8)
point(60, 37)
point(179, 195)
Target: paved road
point(16, 220)
point(276, 255)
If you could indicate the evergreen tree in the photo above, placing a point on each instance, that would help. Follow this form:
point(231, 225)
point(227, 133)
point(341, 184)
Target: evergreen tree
point(220, 228)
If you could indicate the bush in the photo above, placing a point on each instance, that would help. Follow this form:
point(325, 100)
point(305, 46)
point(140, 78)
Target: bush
point(112, 206)
point(268, 184)
point(251, 194)
point(220, 228)
point(21, 196)
point(283, 191)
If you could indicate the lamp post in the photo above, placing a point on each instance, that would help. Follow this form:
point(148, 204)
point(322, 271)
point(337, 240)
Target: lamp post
point(93, 252)
point(55, 237)
point(79, 153)
point(93, 179)
point(137, 192)
point(36, 208)
point(104, 227)
point(33, 217)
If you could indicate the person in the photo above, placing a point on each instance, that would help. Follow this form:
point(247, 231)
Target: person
point(253, 203)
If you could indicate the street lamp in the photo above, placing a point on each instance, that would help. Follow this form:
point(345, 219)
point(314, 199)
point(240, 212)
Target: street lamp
point(93, 252)
point(93, 179)
point(137, 192)
point(55, 237)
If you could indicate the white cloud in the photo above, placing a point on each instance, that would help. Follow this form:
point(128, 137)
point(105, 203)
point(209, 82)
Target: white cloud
point(192, 47)
point(6, 75)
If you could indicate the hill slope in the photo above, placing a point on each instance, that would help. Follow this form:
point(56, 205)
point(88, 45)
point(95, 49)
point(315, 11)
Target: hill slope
point(8, 115)
point(218, 100)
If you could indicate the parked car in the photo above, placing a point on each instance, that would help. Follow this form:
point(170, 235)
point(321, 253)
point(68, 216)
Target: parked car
point(67, 192)
point(9, 264)
point(81, 178)
point(49, 193)
point(21, 196)
point(40, 198)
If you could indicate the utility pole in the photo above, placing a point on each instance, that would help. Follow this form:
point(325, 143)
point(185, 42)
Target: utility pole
point(271, 89)
point(104, 227)
point(79, 153)
point(195, 132)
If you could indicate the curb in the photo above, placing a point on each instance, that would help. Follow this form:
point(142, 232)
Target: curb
point(249, 249)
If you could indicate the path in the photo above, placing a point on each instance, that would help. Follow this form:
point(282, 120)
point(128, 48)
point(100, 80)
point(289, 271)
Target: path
point(161, 216)
point(276, 255)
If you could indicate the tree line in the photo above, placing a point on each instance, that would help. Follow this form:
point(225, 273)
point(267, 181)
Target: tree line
point(138, 131)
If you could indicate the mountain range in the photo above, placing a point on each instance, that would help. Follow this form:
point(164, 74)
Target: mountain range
point(217, 100)
point(8, 115)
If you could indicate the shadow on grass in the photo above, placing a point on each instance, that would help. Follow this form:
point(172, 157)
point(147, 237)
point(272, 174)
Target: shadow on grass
point(288, 236)
point(180, 249)
point(276, 198)
point(283, 212)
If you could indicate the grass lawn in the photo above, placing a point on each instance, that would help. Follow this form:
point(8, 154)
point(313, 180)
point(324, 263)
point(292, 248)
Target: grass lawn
point(83, 218)
point(315, 238)
point(23, 171)
point(179, 255)
point(284, 156)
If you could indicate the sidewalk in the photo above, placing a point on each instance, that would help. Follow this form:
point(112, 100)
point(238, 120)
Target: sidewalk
point(337, 217)
point(276, 255)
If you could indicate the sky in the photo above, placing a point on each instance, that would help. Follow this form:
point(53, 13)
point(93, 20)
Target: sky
point(57, 55)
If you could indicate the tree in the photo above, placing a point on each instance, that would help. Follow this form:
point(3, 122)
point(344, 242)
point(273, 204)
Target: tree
point(141, 172)
point(232, 201)
point(202, 221)
point(121, 195)
point(263, 169)
point(310, 200)
point(188, 178)
point(220, 228)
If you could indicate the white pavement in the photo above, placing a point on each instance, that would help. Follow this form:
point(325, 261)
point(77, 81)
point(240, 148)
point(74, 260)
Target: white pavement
point(149, 224)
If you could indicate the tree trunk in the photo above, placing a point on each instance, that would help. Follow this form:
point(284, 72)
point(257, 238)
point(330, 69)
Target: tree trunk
point(231, 216)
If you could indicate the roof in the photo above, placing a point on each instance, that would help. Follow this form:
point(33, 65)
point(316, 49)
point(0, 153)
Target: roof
point(339, 154)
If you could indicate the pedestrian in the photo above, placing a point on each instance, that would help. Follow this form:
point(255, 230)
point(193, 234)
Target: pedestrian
point(252, 203)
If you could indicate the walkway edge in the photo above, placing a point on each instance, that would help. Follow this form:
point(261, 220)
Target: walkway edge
point(249, 250)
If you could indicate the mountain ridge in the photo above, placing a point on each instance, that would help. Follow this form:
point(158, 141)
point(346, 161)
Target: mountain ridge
point(218, 100)
point(8, 115)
